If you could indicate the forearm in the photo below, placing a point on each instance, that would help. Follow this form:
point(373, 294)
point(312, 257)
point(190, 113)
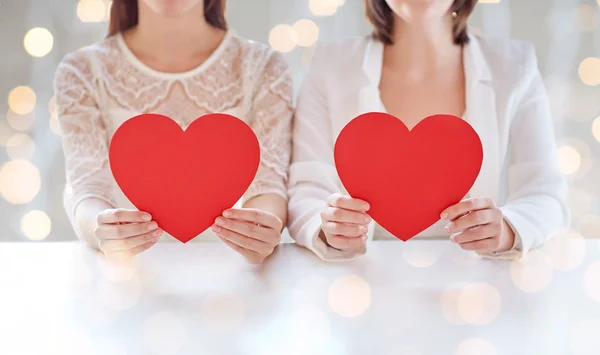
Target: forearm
point(86, 216)
point(272, 203)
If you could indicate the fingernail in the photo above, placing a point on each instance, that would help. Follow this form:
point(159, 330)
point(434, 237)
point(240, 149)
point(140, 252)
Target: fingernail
point(447, 228)
point(452, 238)
point(367, 219)
point(216, 229)
point(152, 226)
point(146, 217)
point(444, 215)
point(227, 213)
point(220, 221)
point(157, 233)
point(364, 238)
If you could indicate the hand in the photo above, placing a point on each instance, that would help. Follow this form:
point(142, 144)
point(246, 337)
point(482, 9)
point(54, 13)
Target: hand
point(251, 232)
point(125, 233)
point(479, 225)
point(345, 222)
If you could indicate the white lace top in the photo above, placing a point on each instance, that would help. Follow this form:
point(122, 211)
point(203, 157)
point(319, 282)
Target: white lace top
point(99, 87)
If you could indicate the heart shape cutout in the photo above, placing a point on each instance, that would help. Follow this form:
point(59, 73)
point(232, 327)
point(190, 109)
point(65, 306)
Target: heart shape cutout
point(184, 179)
point(408, 177)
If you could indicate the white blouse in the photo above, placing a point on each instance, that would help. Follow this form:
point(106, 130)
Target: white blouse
point(99, 87)
point(506, 104)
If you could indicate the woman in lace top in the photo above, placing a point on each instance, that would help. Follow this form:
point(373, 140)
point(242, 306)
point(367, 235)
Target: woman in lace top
point(150, 63)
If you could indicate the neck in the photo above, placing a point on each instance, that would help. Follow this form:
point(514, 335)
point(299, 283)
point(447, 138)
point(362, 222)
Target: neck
point(423, 47)
point(176, 36)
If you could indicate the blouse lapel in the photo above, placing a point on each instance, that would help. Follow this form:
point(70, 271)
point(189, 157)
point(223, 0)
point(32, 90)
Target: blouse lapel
point(481, 114)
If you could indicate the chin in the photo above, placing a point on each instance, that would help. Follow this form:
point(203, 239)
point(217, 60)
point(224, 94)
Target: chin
point(172, 7)
point(420, 10)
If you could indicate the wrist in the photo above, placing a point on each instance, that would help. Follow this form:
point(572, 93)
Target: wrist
point(507, 237)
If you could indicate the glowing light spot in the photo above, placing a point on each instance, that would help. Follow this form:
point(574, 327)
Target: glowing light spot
point(476, 346)
point(589, 71)
point(596, 129)
point(589, 226)
point(164, 333)
point(222, 312)
point(36, 225)
point(91, 10)
point(324, 7)
point(38, 42)
point(479, 303)
point(580, 202)
point(569, 159)
point(21, 100)
point(449, 303)
point(20, 122)
point(419, 255)
point(349, 296)
point(307, 32)
point(20, 146)
point(283, 38)
point(20, 181)
point(533, 273)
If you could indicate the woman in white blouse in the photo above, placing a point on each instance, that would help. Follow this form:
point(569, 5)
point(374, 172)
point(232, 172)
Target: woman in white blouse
point(175, 58)
point(421, 60)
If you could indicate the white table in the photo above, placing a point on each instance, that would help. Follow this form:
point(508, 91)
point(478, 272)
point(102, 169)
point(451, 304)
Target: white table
point(420, 297)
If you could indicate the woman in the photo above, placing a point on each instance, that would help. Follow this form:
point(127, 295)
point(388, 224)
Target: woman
point(175, 58)
point(421, 61)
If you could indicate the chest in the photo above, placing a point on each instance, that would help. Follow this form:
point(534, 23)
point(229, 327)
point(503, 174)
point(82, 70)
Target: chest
point(412, 100)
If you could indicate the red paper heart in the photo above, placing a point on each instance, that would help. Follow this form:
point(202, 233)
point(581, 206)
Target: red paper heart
point(408, 177)
point(184, 179)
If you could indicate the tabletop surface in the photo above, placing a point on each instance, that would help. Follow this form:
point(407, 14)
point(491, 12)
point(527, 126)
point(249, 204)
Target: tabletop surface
point(415, 298)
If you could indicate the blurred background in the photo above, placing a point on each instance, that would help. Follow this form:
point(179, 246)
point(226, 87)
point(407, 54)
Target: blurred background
point(36, 34)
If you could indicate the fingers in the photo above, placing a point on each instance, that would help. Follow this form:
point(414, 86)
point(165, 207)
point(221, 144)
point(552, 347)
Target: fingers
point(477, 233)
point(126, 254)
point(347, 230)
point(121, 231)
point(255, 216)
point(339, 215)
point(483, 245)
point(244, 241)
point(348, 203)
point(252, 257)
point(115, 245)
point(345, 243)
point(247, 229)
point(474, 219)
point(123, 216)
point(463, 207)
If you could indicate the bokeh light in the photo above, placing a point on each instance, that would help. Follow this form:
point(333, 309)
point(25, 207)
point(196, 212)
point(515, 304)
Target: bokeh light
point(420, 255)
point(589, 71)
point(21, 100)
point(566, 250)
point(91, 10)
point(20, 122)
point(449, 303)
point(532, 273)
point(476, 346)
point(222, 312)
point(479, 303)
point(164, 333)
point(119, 295)
point(591, 281)
point(569, 159)
point(20, 181)
point(38, 42)
point(55, 125)
point(123, 270)
point(20, 146)
point(36, 225)
point(5, 133)
point(585, 339)
point(587, 18)
point(108, 10)
point(283, 38)
point(307, 56)
point(596, 129)
point(349, 296)
point(307, 32)
point(589, 226)
point(324, 7)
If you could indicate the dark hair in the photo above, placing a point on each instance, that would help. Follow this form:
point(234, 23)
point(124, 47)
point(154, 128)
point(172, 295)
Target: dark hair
point(124, 15)
point(381, 16)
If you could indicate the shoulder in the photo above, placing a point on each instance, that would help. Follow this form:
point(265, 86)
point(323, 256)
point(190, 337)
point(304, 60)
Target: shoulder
point(83, 62)
point(259, 57)
point(508, 58)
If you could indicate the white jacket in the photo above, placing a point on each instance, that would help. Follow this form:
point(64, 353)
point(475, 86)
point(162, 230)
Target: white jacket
point(506, 104)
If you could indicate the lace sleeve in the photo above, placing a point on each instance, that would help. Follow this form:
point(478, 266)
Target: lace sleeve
point(84, 137)
point(271, 121)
